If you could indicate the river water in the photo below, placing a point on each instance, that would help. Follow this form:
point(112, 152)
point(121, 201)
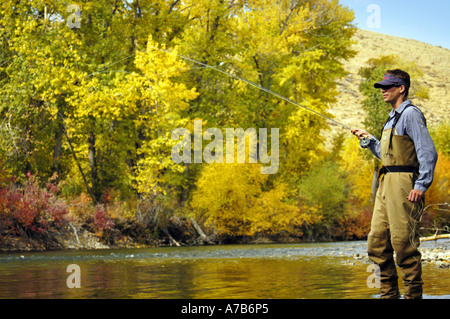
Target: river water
point(276, 271)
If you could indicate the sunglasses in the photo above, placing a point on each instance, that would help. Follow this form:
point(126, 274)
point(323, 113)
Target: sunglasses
point(388, 87)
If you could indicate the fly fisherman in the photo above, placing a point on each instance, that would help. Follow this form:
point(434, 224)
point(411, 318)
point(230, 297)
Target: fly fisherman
point(409, 157)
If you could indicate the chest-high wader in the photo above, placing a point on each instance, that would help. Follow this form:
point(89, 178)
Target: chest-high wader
point(398, 153)
point(395, 218)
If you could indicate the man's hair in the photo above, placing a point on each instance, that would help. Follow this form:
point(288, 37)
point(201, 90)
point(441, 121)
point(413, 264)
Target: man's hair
point(404, 76)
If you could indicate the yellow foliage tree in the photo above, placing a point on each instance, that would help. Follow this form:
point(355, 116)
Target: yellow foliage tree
point(358, 171)
point(162, 100)
point(225, 195)
point(439, 191)
point(233, 200)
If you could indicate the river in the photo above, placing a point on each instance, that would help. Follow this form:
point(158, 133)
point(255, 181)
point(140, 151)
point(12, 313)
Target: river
point(278, 271)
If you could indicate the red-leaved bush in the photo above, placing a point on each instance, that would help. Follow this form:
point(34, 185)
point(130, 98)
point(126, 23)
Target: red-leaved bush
point(102, 221)
point(31, 207)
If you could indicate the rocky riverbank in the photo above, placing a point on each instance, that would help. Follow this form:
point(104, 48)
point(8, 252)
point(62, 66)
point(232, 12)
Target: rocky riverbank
point(438, 253)
point(77, 237)
point(64, 240)
point(435, 252)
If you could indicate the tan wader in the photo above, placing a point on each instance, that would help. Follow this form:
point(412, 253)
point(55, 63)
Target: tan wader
point(395, 220)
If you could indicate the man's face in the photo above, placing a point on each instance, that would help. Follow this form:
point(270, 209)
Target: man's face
point(391, 94)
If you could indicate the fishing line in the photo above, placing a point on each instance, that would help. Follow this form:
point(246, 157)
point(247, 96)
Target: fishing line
point(109, 65)
point(256, 86)
point(238, 78)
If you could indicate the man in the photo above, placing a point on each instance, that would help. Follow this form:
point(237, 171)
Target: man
point(409, 158)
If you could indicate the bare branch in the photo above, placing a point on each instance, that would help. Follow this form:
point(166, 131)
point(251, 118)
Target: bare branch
point(9, 137)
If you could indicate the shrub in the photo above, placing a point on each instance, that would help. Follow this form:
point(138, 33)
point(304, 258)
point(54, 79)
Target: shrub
point(102, 221)
point(437, 199)
point(31, 207)
point(324, 188)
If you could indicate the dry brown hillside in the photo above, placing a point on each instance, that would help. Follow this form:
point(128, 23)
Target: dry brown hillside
point(434, 62)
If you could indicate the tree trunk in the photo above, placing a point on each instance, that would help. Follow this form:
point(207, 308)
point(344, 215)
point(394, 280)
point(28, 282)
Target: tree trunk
point(200, 232)
point(93, 162)
point(77, 162)
point(434, 237)
point(57, 150)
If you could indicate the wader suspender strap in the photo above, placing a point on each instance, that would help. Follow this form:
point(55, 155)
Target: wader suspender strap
point(396, 118)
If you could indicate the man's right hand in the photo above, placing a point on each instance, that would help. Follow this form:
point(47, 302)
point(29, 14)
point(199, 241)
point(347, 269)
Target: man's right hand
point(360, 134)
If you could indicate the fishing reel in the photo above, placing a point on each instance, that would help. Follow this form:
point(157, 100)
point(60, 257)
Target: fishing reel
point(364, 143)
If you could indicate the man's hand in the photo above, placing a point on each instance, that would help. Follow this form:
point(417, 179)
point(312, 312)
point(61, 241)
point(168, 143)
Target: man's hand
point(360, 134)
point(415, 195)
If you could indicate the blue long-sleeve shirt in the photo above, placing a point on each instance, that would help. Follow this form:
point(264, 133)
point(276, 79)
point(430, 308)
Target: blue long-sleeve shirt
point(413, 123)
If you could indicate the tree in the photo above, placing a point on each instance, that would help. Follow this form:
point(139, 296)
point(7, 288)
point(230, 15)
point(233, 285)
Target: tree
point(162, 101)
point(358, 172)
point(232, 199)
point(437, 214)
point(327, 195)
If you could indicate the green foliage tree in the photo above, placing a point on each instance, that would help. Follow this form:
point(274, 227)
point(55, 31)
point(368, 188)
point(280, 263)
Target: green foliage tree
point(441, 137)
point(328, 195)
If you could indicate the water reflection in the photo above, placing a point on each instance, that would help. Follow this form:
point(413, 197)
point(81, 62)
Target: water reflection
point(266, 271)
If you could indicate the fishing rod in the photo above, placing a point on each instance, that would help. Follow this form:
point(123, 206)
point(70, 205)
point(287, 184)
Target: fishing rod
point(256, 86)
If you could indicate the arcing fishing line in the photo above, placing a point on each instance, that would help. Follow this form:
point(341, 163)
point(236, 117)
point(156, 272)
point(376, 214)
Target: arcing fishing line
point(364, 142)
point(256, 86)
point(240, 79)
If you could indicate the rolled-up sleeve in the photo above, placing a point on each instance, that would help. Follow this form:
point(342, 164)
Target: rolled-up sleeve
point(416, 128)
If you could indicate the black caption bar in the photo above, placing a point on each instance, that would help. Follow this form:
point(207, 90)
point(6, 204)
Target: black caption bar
point(204, 308)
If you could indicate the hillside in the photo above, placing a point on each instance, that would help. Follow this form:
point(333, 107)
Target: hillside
point(434, 62)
